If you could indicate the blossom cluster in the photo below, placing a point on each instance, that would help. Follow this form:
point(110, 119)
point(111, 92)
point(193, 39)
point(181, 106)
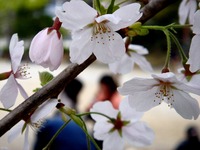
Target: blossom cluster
point(97, 32)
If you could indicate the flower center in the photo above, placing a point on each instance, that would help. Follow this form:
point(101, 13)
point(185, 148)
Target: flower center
point(22, 72)
point(164, 93)
point(102, 33)
point(118, 124)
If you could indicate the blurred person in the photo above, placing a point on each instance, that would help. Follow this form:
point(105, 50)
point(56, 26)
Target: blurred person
point(192, 141)
point(107, 91)
point(72, 136)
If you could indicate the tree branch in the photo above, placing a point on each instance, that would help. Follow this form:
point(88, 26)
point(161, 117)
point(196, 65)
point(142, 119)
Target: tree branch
point(53, 88)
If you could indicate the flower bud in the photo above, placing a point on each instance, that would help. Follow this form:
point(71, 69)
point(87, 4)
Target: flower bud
point(46, 49)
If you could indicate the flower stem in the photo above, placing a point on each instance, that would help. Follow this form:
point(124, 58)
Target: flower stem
point(97, 113)
point(56, 134)
point(181, 52)
point(167, 60)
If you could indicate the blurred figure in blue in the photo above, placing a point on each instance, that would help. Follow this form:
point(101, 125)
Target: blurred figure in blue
point(72, 136)
point(192, 141)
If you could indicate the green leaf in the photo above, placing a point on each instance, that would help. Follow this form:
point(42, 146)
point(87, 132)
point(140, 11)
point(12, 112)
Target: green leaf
point(45, 77)
point(111, 7)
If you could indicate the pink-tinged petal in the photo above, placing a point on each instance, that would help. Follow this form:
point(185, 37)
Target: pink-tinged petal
point(109, 47)
point(46, 49)
point(194, 54)
point(103, 107)
point(74, 20)
point(143, 101)
point(22, 91)
point(56, 53)
point(16, 49)
point(142, 62)
point(113, 142)
point(101, 129)
point(196, 25)
point(185, 105)
point(81, 46)
point(45, 109)
point(183, 11)
point(15, 131)
point(128, 14)
point(26, 142)
point(125, 65)
point(8, 93)
point(127, 112)
point(138, 134)
point(137, 85)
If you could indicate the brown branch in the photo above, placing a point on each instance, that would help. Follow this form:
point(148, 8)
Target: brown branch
point(53, 88)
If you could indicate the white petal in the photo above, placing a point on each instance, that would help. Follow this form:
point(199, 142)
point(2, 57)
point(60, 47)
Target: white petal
point(185, 105)
point(123, 66)
point(127, 112)
point(108, 17)
point(166, 77)
point(73, 19)
point(138, 134)
point(45, 109)
point(103, 107)
point(26, 142)
point(8, 93)
point(82, 46)
point(16, 49)
point(137, 85)
point(109, 47)
point(143, 101)
point(183, 11)
point(142, 62)
point(15, 131)
point(113, 142)
point(138, 49)
point(194, 54)
point(101, 129)
point(193, 8)
point(22, 91)
point(196, 25)
point(128, 14)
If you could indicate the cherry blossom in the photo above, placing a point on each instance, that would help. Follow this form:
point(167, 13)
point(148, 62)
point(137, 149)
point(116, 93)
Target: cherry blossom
point(133, 55)
point(9, 91)
point(186, 11)
point(124, 126)
point(34, 121)
point(46, 48)
point(194, 60)
point(145, 94)
point(94, 33)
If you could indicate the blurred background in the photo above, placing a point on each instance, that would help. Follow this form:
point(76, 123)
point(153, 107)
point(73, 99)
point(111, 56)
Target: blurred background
point(28, 17)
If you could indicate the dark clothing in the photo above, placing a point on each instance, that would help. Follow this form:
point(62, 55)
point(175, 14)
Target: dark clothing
point(71, 138)
point(191, 144)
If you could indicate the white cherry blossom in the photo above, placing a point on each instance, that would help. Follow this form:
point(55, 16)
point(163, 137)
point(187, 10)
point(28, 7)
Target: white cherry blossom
point(124, 128)
point(35, 122)
point(145, 94)
point(94, 33)
point(133, 55)
point(9, 91)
